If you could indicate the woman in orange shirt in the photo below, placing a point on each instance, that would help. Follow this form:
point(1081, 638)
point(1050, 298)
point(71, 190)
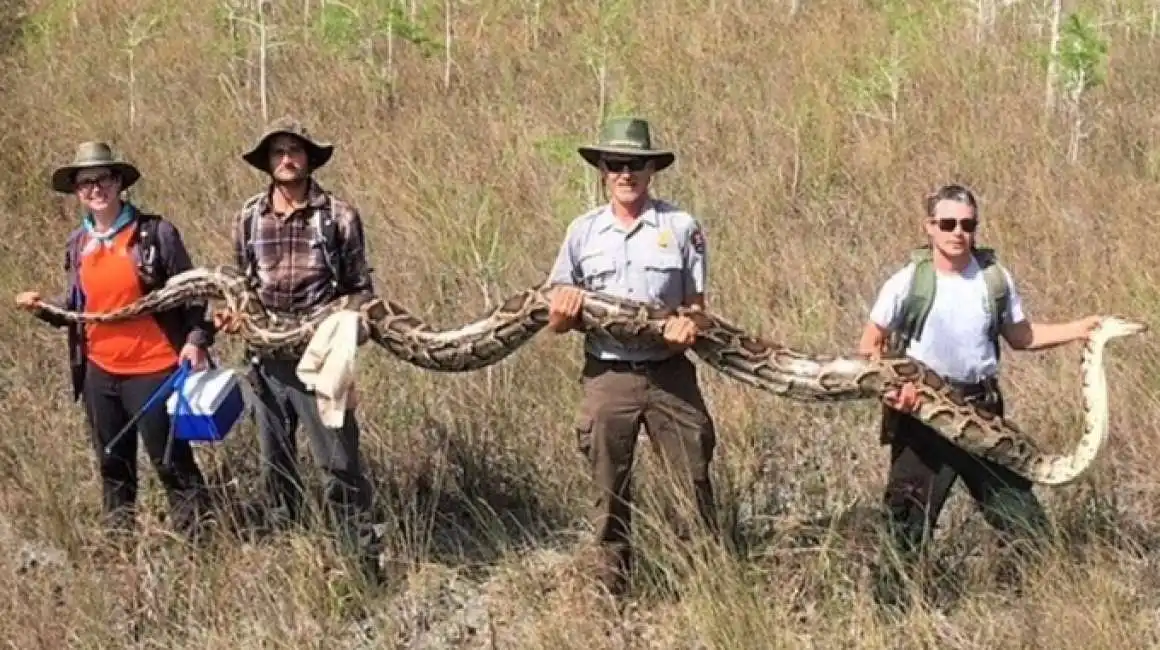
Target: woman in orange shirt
point(116, 256)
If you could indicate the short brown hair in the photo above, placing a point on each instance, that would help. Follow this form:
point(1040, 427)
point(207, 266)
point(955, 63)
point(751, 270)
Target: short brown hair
point(951, 192)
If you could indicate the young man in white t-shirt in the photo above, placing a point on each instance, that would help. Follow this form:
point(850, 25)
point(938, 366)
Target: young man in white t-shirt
point(956, 342)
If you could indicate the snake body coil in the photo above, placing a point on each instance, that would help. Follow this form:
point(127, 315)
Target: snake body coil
point(720, 344)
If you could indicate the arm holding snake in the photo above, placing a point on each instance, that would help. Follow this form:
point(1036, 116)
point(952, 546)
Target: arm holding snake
point(729, 349)
point(32, 301)
point(1026, 335)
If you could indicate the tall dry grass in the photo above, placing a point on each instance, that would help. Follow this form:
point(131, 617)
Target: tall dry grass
point(465, 171)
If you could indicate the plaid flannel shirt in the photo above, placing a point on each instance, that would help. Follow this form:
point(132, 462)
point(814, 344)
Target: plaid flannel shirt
point(290, 264)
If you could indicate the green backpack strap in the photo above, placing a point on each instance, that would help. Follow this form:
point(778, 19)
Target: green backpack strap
point(997, 290)
point(916, 306)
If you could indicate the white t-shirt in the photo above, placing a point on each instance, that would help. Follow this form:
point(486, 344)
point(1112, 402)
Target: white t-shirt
point(954, 341)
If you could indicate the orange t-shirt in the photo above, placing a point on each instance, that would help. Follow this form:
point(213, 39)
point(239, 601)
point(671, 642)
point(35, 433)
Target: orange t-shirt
point(108, 278)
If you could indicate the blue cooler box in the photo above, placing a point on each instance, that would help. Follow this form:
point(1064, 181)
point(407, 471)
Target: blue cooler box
point(206, 405)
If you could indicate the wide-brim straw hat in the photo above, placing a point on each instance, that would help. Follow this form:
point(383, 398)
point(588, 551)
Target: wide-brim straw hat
point(318, 153)
point(89, 155)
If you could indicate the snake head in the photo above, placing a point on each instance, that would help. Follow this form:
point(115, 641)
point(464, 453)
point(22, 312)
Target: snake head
point(1115, 326)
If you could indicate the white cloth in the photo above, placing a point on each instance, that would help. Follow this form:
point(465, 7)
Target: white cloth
point(328, 365)
point(954, 341)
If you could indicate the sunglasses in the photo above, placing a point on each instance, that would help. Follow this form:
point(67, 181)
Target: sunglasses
point(948, 225)
point(622, 165)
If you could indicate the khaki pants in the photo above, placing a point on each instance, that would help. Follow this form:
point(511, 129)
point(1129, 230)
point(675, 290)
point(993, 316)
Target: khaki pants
point(618, 398)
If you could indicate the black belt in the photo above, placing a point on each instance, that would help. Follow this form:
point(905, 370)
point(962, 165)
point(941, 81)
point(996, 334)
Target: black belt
point(616, 365)
point(978, 388)
point(282, 355)
point(983, 393)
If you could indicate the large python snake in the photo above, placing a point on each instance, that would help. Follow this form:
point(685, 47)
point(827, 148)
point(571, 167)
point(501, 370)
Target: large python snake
point(722, 345)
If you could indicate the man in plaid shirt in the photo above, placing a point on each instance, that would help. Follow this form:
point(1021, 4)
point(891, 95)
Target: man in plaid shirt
point(303, 247)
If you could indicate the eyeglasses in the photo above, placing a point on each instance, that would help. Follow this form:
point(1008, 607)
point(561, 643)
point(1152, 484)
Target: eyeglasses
point(622, 165)
point(948, 225)
point(93, 181)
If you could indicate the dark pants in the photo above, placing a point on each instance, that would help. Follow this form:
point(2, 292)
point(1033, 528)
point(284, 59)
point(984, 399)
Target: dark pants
point(110, 402)
point(285, 403)
point(618, 399)
point(924, 467)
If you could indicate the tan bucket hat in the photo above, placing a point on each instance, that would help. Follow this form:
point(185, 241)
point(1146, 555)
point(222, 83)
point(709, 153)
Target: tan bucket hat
point(88, 155)
point(317, 153)
point(626, 136)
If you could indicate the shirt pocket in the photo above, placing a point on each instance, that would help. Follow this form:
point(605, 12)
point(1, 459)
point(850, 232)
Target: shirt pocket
point(596, 271)
point(664, 274)
point(267, 252)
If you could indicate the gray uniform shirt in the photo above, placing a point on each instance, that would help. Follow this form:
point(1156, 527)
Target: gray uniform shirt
point(662, 259)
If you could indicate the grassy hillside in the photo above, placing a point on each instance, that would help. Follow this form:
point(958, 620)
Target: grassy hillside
point(806, 134)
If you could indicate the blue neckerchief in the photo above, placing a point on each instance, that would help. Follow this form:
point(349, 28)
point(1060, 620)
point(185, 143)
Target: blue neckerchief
point(106, 238)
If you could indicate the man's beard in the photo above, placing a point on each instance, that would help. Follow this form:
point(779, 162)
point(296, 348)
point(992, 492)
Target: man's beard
point(298, 181)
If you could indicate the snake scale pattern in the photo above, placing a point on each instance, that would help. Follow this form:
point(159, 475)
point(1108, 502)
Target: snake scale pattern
point(720, 344)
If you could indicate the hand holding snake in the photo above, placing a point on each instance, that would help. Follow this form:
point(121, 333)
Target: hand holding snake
point(722, 345)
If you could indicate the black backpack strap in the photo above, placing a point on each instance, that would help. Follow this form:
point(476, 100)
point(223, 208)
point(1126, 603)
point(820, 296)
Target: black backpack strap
point(72, 264)
point(147, 251)
point(72, 250)
point(326, 231)
point(249, 233)
point(247, 246)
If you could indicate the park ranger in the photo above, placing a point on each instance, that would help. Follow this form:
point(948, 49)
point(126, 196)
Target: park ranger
point(642, 248)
